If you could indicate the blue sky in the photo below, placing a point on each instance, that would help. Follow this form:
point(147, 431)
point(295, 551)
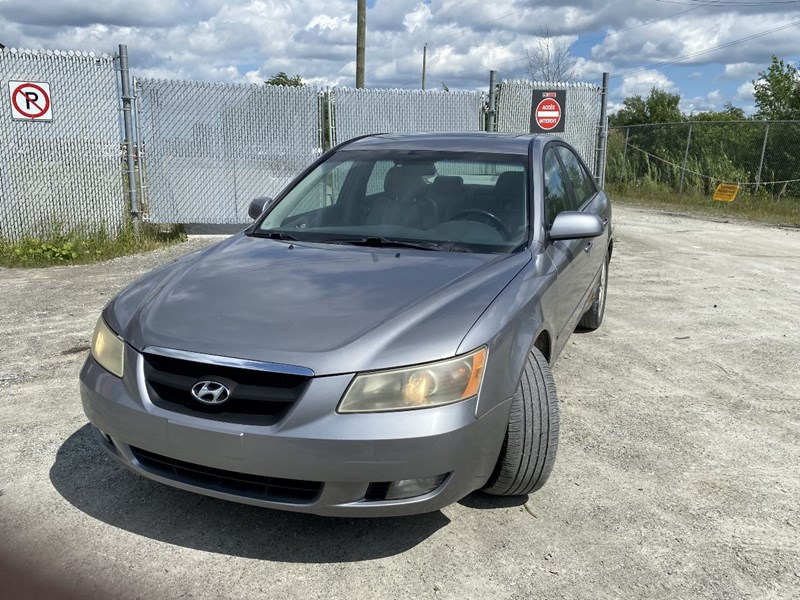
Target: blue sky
point(249, 40)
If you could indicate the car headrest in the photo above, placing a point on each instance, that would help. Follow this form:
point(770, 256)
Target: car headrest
point(403, 182)
point(510, 184)
point(447, 184)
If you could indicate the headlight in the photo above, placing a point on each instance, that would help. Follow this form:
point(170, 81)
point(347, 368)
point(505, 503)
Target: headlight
point(422, 386)
point(107, 348)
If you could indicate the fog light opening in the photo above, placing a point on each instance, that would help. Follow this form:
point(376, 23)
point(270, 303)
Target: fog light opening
point(411, 488)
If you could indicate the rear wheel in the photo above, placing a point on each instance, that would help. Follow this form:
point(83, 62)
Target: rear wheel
point(593, 317)
point(531, 442)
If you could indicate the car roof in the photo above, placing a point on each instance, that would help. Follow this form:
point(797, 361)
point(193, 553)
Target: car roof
point(478, 141)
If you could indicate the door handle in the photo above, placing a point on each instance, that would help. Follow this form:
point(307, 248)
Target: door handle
point(587, 247)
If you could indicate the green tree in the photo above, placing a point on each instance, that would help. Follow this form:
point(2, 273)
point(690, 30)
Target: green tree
point(659, 107)
point(281, 78)
point(729, 112)
point(777, 91)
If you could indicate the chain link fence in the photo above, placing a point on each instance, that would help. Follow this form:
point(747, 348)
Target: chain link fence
point(358, 112)
point(693, 157)
point(581, 117)
point(209, 149)
point(203, 150)
point(65, 173)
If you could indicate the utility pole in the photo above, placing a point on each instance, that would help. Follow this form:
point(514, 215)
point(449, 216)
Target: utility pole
point(361, 41)
point(424, 62)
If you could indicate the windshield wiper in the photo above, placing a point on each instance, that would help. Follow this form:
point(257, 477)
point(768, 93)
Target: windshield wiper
point(382, 242)
point(275, 235)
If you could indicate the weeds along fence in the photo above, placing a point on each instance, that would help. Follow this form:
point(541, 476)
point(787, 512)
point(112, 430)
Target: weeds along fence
point(763, 157)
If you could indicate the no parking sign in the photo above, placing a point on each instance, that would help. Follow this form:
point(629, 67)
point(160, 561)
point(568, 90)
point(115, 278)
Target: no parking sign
point(30, 101)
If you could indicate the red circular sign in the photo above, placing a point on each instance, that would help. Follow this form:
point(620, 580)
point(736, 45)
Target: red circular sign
point(34, 107)
point(548, 113)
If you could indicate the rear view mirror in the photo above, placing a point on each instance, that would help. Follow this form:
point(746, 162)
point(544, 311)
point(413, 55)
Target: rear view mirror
point(258, 206)
point(571, 225)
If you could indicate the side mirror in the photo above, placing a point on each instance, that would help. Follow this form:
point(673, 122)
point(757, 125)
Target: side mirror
point(258, 206)
point(571, 225)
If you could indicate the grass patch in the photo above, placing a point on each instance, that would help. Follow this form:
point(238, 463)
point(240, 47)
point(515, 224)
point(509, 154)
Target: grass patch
point(60, 248)
point(752, 207)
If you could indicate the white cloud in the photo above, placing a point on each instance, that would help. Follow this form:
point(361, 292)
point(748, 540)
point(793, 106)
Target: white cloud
point(250, 40)
point(741, 69)
point(712, 101)
point(590, 70)
point(745, 92)
point(417, 18)
point(641, 82)
point(327, 22)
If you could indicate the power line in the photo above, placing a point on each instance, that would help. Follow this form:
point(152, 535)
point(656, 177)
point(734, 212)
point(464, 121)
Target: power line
point(745, 3)
point(677, 58)
point(706, 50)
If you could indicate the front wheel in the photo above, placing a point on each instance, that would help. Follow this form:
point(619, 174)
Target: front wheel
point(531, 442)
point(593, 317)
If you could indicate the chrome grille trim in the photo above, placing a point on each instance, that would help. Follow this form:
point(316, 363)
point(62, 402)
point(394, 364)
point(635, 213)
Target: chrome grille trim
point(227, 361)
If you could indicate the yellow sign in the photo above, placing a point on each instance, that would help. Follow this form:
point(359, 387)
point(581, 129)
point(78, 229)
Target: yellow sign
point(726, 192)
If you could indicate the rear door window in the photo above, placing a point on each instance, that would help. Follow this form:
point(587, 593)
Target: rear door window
point(556, 195)
point(582, 185)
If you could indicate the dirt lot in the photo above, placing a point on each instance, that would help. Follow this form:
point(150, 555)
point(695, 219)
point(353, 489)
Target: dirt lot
point(678, 474)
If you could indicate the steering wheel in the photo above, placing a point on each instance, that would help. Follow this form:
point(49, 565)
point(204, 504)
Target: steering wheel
point(492, 220)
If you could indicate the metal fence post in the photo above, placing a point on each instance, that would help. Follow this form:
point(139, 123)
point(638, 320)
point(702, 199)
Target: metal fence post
point(685, 159)
point(139, 150)
point(492, 95)
point(761, 160)
point(331, 141)
point(600, 161)
point(625, 155)
point(125, 82)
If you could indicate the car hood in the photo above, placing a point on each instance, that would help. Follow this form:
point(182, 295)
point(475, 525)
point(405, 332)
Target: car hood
point(330, 308)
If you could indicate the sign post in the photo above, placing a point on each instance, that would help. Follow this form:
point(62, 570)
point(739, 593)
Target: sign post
point(30, 101)
point(547, 111)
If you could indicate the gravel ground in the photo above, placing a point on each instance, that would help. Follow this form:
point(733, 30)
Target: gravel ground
point(678, 474)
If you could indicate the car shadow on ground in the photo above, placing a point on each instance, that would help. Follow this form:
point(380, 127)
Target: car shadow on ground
point(95, 484)
point(483, 501)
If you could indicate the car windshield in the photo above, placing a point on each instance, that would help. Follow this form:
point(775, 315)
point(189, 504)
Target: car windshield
point(445, 201)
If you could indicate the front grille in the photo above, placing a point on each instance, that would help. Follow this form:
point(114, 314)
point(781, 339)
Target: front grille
point(273, 489)
point(257, 397)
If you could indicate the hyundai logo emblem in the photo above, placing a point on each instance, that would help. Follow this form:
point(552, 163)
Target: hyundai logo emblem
point(210, 392)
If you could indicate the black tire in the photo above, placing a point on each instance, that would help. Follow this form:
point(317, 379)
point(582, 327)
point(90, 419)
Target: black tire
point(531, 442)
point(593, 317)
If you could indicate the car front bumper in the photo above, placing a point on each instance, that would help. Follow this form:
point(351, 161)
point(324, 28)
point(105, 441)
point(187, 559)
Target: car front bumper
point(331, 458)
